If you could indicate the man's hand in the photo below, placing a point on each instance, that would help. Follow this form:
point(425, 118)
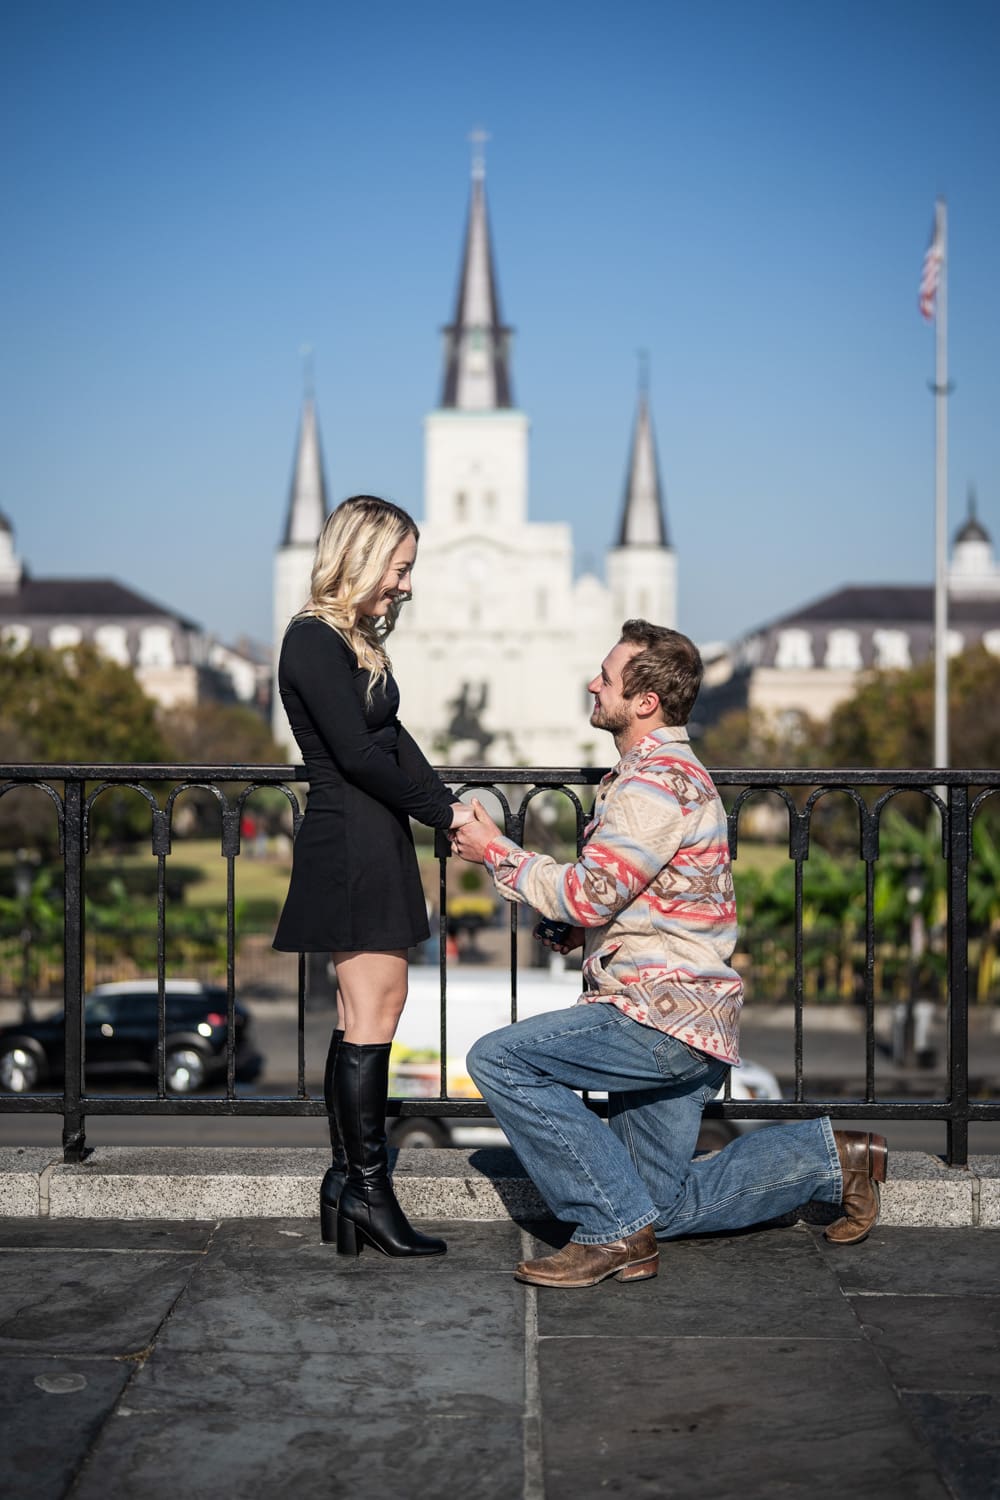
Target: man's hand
point(460, 814)
point(470, 841)
point(573, 938)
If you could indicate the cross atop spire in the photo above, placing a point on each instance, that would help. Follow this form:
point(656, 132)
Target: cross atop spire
point(644, 517)
point(307, 503)
point(478, 139)
point(477, 342)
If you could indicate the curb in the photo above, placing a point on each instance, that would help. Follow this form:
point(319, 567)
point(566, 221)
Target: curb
point(170, 1182)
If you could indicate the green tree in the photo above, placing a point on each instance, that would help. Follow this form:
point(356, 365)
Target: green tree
point(889, 721)
point(222, 733)
point(747, 737)
point(65, 706)
point(74, 705)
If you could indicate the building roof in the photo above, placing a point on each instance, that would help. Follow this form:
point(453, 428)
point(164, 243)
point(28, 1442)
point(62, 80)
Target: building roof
point(5, 524)
point(894, 603)
point(477, 367)
point(83, 596)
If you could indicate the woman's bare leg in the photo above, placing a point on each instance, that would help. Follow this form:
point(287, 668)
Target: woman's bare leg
point(371, 994)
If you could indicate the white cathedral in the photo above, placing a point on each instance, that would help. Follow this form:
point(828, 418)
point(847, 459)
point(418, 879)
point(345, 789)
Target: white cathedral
point(494, 652)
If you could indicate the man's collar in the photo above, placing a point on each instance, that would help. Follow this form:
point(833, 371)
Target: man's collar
point(649, 744)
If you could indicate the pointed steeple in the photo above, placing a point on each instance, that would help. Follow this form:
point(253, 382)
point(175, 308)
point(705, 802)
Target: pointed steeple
point(644, 516)
point(307, 503)
point(477, 370)
point(973, 529)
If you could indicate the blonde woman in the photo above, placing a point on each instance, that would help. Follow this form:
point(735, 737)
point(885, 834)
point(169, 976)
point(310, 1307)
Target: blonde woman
point(355, 889)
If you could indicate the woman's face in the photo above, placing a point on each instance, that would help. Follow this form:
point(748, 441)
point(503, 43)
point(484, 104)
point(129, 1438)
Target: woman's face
point(395, 582)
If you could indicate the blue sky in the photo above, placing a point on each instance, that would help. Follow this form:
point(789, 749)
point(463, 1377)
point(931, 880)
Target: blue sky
point(195, 191)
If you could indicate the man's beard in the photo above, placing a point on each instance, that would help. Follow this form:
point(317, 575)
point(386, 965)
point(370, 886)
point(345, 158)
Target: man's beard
point(613, 720)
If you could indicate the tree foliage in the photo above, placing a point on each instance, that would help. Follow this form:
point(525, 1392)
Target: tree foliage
point(73, 705)
point(222, 733)
point(890, 719)
point(747, 737)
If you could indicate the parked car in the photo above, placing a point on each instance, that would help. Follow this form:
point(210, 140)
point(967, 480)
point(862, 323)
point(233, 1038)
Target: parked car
point(420, 1078)
point(120, 1031)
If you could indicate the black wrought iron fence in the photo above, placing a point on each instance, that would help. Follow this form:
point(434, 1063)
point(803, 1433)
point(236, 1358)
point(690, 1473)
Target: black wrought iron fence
point(955, 799)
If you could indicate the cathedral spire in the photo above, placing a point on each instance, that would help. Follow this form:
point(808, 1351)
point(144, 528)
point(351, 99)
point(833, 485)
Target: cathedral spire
point(477, 371)
point(307, 504)
point(644, 517)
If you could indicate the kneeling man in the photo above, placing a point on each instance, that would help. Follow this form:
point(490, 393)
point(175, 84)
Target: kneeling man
point(650, 900)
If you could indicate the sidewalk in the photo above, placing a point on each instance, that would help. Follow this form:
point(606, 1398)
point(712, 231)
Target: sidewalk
point(243, 1358)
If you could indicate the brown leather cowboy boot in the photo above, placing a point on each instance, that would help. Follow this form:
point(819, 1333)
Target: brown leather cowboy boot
point(863, 1160)
point(635, 1258)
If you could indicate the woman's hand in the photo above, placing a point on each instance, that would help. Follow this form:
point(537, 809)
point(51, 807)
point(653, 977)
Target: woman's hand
point(475, 835)
point(461, 813)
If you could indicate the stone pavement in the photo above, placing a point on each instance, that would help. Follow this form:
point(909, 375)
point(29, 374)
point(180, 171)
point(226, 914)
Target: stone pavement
point(243, 1358)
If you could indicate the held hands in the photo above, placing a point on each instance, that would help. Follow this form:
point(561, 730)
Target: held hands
point(460, 813)
point(470, 837)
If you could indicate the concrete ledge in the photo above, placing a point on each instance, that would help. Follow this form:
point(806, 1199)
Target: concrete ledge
point(170, 1182)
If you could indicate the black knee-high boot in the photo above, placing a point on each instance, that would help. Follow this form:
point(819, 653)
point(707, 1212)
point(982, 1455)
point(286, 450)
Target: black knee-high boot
point(336, 1175)
point(368, 1212)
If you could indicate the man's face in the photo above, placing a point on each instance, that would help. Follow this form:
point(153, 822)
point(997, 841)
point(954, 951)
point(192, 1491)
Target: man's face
point(612, 711)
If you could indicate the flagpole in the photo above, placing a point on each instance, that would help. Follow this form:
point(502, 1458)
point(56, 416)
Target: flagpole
point(941, 503)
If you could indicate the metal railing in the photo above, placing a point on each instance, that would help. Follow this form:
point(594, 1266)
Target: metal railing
point(75, 790)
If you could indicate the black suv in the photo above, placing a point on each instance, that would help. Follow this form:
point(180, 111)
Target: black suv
point(120, 1037)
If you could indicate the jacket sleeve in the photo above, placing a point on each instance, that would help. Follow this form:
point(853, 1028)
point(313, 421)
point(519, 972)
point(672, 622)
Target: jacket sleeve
point(640, 831)
point(415, 764)
point(320, 666)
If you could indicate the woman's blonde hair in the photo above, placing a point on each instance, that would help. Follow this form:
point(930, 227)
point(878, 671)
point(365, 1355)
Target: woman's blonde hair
point(353, 553)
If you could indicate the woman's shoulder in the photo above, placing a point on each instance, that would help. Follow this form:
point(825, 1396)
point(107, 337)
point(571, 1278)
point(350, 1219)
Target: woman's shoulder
point(308, 636)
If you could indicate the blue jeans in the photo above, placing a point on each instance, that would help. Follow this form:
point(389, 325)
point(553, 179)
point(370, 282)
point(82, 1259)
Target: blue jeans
point(612, 1182)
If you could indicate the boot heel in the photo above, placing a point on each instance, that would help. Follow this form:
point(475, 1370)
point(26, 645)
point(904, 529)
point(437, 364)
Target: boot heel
point(641, 1270)
point(327, 1222)
point(347, 1237)
point(878, 1157)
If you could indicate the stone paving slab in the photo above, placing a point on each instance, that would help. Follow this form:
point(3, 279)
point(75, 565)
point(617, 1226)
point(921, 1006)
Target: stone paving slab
point(52, 1408)
point(759, 1284)
point(952, 1262)
point(244, 1357)
point(933, 1343)
point(98, 1302)
point(962, 1433)
point(288, 1453)
point(728, 1417)
point(104, 1234)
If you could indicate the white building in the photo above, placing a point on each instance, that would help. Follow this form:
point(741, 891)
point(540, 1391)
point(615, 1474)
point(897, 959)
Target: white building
point(173, 660)
point(811, 660)
point(495, 650)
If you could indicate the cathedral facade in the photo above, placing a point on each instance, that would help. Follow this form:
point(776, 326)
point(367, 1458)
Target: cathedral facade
point(494, 651)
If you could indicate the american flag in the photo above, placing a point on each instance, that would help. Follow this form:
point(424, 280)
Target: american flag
point(933, 260)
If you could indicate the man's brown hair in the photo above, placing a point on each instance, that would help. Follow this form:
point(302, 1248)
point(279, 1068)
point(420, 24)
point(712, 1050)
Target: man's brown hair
point(668, 664)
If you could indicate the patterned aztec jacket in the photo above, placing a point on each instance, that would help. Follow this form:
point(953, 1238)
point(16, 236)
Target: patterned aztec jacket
point(653, 889)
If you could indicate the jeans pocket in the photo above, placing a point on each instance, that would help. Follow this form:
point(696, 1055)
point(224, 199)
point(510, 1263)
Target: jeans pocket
point(677, 1061)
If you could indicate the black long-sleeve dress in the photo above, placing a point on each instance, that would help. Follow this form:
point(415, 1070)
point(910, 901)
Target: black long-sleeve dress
point(355, 883)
